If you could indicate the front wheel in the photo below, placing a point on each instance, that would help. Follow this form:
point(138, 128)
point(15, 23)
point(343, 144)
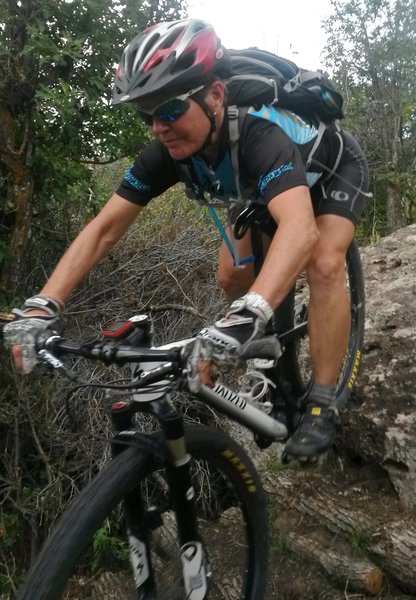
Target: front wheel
point(87, 557)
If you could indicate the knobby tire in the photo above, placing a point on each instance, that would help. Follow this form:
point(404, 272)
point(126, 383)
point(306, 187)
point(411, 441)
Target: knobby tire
point(58, 560)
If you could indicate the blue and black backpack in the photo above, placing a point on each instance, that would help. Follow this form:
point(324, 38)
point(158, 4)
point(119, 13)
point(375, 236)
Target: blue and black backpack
point(260, 77)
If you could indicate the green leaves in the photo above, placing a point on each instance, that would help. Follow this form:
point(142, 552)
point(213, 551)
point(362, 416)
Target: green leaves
point(372, 52)
point(108, 548)
point(57, 60)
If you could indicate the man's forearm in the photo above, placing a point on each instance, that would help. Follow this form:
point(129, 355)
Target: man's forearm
point(291, 247)
point(92, 244)
point(287, 256)
point(84, 253)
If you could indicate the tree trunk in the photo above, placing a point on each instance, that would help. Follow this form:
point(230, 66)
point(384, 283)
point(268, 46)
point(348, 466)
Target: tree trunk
point(345, 565)
point(22, 192)
point(19, 199)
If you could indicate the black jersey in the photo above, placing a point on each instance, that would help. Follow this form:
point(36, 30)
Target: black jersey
point(274, 148)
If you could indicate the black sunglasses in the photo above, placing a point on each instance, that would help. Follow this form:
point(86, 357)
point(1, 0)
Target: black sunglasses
point(171, 110)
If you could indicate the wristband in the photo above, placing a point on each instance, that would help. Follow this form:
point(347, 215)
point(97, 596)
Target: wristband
point(49, 305)
point(254, 301)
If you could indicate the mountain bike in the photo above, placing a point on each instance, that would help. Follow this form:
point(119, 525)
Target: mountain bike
point(188, 498)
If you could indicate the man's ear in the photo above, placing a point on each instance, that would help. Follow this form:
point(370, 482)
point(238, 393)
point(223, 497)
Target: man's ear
point(216, 93)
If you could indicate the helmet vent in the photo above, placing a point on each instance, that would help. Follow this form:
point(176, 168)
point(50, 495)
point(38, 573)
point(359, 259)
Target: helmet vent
point(184, 63)
point(171, 38)
point(143, 81)
point(150, 44)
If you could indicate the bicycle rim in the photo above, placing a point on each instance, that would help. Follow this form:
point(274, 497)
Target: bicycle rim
point(87, 556)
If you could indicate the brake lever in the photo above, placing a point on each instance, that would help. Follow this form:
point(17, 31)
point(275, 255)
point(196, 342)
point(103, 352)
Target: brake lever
point(47, 360)
point(50, 360)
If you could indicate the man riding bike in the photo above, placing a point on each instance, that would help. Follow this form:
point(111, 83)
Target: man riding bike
point(174, 74)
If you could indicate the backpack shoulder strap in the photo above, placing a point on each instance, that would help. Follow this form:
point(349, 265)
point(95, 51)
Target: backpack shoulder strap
point(236, 116)
point(321, 130)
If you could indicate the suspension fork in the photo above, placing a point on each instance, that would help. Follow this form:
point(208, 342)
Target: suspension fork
point(195, 567)
point(139, 520)
point(142, 521)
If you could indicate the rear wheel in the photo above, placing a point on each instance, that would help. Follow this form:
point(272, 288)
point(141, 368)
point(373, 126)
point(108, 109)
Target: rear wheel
point(86, 555)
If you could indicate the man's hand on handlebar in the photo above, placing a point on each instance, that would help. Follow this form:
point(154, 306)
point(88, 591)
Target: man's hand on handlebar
point(245, 321)
point(37, 315)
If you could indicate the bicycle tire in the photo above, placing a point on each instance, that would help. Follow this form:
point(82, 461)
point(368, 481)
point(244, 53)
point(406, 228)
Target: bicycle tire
point(47, 579)
point(291, 368)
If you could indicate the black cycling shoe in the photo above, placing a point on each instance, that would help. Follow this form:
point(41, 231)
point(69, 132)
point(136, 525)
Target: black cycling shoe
point(315, 434)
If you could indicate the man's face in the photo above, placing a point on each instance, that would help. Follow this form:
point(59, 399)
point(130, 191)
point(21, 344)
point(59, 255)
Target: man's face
point(186, 135)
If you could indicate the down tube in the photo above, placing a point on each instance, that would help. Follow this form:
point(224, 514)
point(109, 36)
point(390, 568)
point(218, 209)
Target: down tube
point(239, 409)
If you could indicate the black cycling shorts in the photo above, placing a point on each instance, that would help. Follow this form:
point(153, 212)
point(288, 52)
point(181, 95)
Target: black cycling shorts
point(344, 192)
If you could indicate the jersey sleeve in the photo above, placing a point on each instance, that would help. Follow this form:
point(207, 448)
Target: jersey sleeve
point(152, 173)
point(272, 161)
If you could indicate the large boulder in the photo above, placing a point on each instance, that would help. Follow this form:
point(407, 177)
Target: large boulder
point(380, 424)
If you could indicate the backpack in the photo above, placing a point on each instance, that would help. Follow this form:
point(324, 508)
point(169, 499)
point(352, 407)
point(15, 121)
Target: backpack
point(260, 77)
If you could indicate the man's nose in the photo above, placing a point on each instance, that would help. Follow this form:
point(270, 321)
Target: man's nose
point(159, 126)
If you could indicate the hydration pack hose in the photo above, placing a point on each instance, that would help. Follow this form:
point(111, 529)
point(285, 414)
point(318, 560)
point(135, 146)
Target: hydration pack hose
point(232, 247)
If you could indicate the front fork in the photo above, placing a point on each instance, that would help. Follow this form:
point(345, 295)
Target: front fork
point(142, 519)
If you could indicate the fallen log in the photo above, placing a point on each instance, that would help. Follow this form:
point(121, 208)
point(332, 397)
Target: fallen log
point(345, 565)
point(387, 545)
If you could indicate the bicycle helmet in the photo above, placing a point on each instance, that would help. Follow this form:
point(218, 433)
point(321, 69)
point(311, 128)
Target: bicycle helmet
point(167, 60)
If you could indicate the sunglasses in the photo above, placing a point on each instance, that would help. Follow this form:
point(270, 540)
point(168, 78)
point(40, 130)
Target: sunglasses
point(171, 110)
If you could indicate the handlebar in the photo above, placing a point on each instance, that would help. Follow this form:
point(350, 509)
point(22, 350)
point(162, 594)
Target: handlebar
point(108, 352)
point(172, 359)
point(165, 363)
point(119, 353)
point(175, 362)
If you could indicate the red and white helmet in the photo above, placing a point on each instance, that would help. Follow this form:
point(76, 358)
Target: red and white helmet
point(167, 60)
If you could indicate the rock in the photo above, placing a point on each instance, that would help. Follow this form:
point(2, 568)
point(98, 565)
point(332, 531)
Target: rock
point(380, 423)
